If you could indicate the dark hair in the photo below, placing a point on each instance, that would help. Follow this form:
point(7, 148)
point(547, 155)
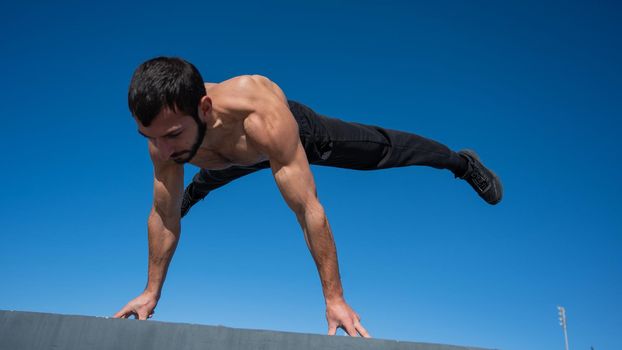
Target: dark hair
point(165, 82)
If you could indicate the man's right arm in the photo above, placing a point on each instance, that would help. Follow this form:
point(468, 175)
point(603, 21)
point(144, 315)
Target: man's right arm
point(164, 229)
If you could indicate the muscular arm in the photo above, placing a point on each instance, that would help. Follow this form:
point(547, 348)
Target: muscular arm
point(163, 225)
point(273, 130)
point(163, 228)
point(295, 182)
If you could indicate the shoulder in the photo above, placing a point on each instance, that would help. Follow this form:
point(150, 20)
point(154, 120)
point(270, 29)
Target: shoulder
point(254, 88)
point(246, 94)
point(270, 126)
point(250, 81)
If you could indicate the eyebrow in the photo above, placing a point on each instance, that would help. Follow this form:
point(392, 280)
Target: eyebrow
point(165, 135)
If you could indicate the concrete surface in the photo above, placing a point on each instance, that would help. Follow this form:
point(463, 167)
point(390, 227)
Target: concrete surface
point(34, 331)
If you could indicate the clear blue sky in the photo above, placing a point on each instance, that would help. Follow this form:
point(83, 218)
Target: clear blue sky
point(535, 87)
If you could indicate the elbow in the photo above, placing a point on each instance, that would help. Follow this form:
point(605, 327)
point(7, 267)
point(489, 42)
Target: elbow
point(160, 223)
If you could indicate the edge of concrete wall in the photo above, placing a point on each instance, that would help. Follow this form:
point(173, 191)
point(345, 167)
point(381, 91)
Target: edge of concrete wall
point(21, 330)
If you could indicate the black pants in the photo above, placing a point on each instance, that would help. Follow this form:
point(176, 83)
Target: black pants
point(333, 142)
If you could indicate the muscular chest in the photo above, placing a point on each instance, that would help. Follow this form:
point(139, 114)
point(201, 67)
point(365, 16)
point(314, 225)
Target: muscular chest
point(228, 148)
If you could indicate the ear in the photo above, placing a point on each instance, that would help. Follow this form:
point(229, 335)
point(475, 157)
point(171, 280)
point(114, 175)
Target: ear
point(205, 106)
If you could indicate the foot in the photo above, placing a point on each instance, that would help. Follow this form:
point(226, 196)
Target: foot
point(483, 180)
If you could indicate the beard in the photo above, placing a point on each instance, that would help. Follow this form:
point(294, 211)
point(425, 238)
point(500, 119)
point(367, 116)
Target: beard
point(189, 154)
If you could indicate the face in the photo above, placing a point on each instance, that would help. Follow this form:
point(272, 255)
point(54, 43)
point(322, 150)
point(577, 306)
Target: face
point(174, 135)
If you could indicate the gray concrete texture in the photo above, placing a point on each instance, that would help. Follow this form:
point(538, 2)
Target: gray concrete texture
point(34, 331)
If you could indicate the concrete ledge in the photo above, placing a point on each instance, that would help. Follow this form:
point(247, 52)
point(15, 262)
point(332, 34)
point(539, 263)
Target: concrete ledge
point(33, 331)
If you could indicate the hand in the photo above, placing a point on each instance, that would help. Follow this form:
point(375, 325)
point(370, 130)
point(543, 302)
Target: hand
point(340, 315)
point(142, 307)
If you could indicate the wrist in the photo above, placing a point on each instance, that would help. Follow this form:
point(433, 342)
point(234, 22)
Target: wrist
point(334, 299)
point(152, 293)
point(333, 292)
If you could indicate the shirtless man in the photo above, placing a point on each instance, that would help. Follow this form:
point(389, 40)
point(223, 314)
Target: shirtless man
point(245, 124)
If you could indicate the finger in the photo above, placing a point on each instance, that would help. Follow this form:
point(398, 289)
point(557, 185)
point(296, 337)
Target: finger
point(121, 313)
point(362, 331)
point(332, 330)
point(142, 316)
point(351, 330)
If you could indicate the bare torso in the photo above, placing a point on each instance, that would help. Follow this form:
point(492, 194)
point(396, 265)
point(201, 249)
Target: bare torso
point(225, 142)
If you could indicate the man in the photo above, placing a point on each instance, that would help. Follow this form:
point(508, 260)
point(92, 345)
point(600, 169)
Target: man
point(245, 124)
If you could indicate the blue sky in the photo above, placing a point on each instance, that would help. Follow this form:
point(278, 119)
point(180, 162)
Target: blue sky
point(534, 87)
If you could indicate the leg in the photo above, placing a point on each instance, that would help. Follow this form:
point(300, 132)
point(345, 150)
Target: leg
point(207, 180)
point(333, 142)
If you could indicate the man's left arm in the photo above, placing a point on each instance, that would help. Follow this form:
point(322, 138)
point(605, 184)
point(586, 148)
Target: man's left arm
point(273, 130)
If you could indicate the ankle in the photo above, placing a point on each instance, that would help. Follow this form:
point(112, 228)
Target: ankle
point(461, 167)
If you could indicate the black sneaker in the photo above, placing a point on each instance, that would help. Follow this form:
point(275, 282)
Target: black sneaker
point(482, 179)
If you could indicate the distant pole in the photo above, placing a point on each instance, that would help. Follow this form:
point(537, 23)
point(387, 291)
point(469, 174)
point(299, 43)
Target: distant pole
point(562, 322)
